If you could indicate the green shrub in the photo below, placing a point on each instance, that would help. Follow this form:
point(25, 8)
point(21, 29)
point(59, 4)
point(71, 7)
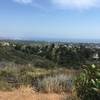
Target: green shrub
point(70, 98)
point(8, 74)
point(5, 86)
point(87, 85)
point(43, 63)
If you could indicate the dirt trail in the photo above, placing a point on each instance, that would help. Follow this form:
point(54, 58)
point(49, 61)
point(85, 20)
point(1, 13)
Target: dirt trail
point(29, 94)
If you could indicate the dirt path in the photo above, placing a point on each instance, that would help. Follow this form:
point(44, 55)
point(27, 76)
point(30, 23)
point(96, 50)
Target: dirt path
point(29, 94)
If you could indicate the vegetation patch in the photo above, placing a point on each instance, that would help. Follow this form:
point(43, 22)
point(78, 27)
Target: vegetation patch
point(87, 85)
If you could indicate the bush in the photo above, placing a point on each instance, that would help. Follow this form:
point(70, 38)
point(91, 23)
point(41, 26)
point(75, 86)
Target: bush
point(44, 63)
point(87, 85)
point(70, 98)
point(57, 84)
point(9, 74)
point(5, 86)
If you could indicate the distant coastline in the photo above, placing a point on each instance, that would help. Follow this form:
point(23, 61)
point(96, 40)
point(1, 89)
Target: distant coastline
point(52, 40)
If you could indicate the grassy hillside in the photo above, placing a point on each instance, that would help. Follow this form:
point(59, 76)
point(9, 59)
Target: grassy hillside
point(10, 54)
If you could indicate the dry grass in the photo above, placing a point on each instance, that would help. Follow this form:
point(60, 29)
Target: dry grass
point(60, 83)
point(24, 93)
point(27, 93)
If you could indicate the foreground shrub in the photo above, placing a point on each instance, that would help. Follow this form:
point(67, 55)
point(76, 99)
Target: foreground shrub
point(57, 84)
point(70, 98)
point(87, 85)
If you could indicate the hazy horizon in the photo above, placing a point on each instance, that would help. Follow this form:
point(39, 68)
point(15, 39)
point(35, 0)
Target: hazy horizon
point(47, 39)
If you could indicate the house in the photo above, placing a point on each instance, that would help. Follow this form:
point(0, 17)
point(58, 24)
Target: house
point(5, 44)
point(95, 56)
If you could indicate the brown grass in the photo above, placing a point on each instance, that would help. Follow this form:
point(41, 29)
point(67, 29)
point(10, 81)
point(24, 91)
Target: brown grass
point(24, 93)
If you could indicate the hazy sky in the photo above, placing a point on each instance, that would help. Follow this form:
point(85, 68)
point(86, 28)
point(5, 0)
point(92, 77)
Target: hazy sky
point(22, 19)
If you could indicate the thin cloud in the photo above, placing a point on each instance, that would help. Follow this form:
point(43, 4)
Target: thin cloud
point(33, 3)
point(30, 2)
point(23, 1)
point(62, 4)
point(76, 4)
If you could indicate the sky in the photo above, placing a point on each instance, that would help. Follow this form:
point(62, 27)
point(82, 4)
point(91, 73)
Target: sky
point(57, 19)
